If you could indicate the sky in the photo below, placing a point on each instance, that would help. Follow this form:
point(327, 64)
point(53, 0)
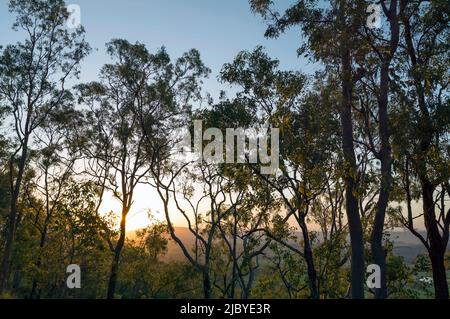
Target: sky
point(218, 29)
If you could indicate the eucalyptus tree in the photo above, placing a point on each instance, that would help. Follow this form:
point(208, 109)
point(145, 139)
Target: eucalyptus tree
point(422, 126)
point(248, 204)
point(279, 99)
point(222, 213)
point(176, 185)
point(138, 95)
point(330, 32)
point(243, 247)
point(114, 141)
point(376, 65)
point(53, 165)
point(162, 110)
point(33, 79)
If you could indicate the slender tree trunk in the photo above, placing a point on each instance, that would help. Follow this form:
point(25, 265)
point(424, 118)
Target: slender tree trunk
point(354, 220)
point(16, 279)
point(11, 225)
point(206, 283)
point(116, 260)
point(207, 290)
point(350, 167)
point(312, 274)
point(247, 289)
point(437, 247)
point(39, 258)
point(234, 272)
point(378, 252)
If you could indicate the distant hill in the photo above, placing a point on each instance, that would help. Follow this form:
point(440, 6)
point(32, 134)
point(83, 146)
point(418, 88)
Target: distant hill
point(174, 252)
point(405, 244)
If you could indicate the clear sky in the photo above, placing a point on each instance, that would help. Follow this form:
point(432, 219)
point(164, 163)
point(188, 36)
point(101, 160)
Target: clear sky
point(219, 29)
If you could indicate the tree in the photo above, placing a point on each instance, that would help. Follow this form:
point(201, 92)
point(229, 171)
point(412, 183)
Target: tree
point(128, 110)
point(33, 77)
point(384, 48)
point(422, 147)
point(306, 139)
point(161, 110)
point(54, 163)
point(170, 188)
point(244, 204)
point(340, 20)
point(115, 145)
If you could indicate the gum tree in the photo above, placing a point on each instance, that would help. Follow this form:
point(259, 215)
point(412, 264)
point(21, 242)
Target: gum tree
point(422, 124)
point(33, 79)
point(279, 99)
point(137, 96)
point(331, 31)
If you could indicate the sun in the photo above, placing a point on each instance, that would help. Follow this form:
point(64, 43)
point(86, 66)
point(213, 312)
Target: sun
point(146, 201)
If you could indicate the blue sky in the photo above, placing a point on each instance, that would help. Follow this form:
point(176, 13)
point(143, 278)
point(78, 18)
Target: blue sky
point(219, 29)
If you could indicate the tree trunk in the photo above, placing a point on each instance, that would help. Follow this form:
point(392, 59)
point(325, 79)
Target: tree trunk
point(439, 275)
point(117, 252)
point(205, 269)
point(11, 225)
point(312, 274)
point(234, 272)
point(378, 252)
point(206, 284)
point(437, 247)
point(41, 247)
point(354, 220)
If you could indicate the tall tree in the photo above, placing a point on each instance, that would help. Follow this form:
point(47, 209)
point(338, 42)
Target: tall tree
point(330, 30)
point(423, 145)
point(138, 94)
point(115, 144)
point(162, 110)
point(376, 67)
point(245, 205)
point(307, 138)
point(33, 77)
point(54, 163)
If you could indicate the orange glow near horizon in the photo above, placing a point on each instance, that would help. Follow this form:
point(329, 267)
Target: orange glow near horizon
point(146, 199)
